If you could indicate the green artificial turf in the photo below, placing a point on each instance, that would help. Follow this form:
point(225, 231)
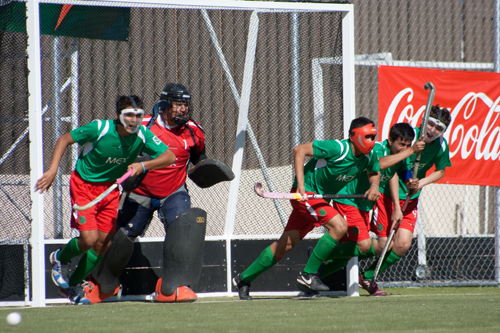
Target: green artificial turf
point(462, 309)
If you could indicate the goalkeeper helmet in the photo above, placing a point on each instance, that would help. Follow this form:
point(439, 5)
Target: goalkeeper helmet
point(176, 92)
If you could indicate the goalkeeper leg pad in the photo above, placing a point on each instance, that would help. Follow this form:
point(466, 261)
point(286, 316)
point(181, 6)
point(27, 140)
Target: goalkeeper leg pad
point(183, 251)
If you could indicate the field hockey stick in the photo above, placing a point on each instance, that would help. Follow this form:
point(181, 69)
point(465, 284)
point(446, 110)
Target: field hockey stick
point(156, 112)
point(105, 193)
point(276, 195)
point(423, 131)
point(381, 259)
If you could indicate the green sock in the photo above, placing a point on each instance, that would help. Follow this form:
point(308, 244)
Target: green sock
point(333, 266)
point(369, 254)
point(338, 263)
point(70, 251)
point(87, 263)
point(345, 250)
point(390, 259)
point(265, 261)
point(321, 252)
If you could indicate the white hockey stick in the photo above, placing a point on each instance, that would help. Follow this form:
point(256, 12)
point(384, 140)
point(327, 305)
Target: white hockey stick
point(381, 259)
point(105, 193)
point(423, 131)
point(276, 195)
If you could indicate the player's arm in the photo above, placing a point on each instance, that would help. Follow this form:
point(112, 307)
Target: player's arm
point(373, 192)
point(43, 184)
point(299, 156)
point(197, 152)
point(417, 184)
point(397, 214)
point(164, 159)
point(197, 157)
point(392, 159)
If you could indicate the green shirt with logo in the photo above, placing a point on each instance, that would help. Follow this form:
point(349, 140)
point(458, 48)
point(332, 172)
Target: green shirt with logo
point(106, 155)
point(362, 184)
point(334, 165)
point(436, 153)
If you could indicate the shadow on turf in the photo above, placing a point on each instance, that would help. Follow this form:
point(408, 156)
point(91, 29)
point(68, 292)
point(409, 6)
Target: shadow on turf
point(298, 297)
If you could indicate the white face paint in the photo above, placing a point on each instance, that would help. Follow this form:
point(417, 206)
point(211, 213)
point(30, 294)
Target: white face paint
point(131, 119)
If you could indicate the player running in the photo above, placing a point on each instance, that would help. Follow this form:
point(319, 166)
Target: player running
point(333, 164)
point(436, 153)
point(110, 148)
point(392, 154)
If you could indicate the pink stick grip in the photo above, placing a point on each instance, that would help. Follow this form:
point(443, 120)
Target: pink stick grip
point(125, 176)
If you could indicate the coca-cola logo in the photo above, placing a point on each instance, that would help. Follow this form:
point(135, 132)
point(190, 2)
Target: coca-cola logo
point(474, 129)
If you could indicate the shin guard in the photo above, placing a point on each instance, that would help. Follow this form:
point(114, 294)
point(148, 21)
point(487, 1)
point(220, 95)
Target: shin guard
point(183, 251)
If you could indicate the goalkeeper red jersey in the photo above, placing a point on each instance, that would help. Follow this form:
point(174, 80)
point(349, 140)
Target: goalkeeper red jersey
point(160, 183)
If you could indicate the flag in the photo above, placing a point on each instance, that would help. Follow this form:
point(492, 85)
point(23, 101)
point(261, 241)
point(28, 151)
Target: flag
point(94, 22)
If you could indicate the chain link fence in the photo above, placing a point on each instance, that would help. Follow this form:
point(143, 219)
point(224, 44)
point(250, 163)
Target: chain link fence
point(454, 240)
point(295, 94)
point(231, 59)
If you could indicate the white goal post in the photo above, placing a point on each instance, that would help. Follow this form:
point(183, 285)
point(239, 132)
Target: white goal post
point(236, 79)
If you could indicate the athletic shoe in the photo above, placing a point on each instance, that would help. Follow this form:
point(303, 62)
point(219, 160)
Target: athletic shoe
point(93, 291)
point(76, 295)
point(60, 271)
point(312, 281)
point(242, 287)
point(365, 284)
point(373, 290)
point(182, 294)
point(307, 292)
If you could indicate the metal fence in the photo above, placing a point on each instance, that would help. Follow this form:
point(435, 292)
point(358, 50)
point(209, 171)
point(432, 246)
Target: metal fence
point(456, 239)
point(248, 70)
point(294, 92)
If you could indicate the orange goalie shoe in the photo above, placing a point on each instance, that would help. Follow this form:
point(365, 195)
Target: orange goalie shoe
point(94, 294)
point(181, 294)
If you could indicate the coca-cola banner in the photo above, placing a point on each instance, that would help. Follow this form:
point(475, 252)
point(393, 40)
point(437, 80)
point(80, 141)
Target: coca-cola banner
point(471, 97)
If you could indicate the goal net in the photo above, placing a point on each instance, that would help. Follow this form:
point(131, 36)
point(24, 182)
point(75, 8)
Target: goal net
point(250, 67)
point(264, 77)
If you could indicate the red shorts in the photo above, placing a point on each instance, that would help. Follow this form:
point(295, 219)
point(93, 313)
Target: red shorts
point(309, 214)
point(357, 222)
point(381, 219)
point(102, 216)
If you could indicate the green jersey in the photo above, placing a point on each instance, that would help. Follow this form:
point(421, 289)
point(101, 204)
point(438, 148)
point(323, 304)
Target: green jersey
point(106, 155)
point(334, 165)
point(436, 153)
point(361, 184)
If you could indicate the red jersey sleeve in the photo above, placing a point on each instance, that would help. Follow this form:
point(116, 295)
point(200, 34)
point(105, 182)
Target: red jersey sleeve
point(199, 136)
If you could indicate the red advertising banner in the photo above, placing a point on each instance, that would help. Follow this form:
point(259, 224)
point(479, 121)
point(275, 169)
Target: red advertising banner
point(473, 99)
